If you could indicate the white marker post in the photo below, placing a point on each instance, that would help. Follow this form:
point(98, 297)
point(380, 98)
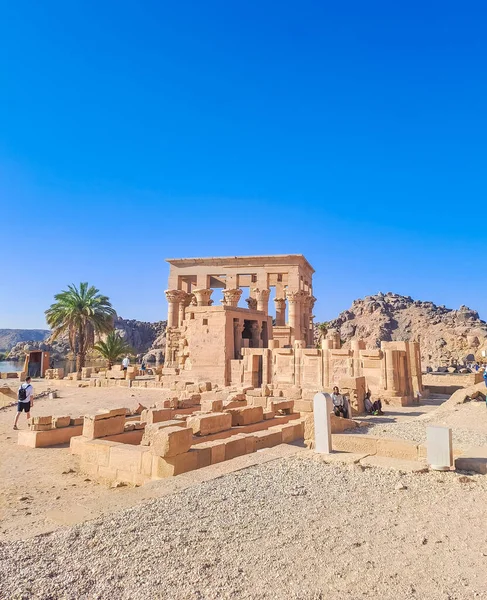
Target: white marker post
point(439, 448)
point(322, 408)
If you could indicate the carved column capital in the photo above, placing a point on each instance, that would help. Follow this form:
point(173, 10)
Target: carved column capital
point(231, 297)
point(293, 296)
point(203, 296)
point(280, 303)
point(252, 302)
point(261, 295)
point(173, 296)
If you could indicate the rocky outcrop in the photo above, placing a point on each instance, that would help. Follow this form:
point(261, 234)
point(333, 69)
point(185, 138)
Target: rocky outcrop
point(11, 337)
point(447, 336)
point(58, 350)
point(142, 336)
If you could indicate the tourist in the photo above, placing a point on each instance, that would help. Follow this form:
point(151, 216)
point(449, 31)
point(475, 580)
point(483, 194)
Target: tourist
point(142, 367)
point(372, 408)
point(125, 363)
point(485, 375)
point(25, 401)
point(339, 403)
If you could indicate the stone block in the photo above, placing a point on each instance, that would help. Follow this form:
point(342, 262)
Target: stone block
point(204, 386)
point(107, 474)
point(151, 429)
point(211, 405)
point(172, 441)
point(284, 407)
point(258, 401)
point(93, 429)
point(76, 421)
point(167, 467)
point(209, 423)
point(59, 422)
point(267, 439)
point(128, 458)
point(303, 405)
point(146, 463)
point(290, 432)
point(474, 460)
point(96, 452)
point(42, 427)
point(217, 450)
point(52, 437)
point(268, 414)
point(104, 413)
point(204, 456)
point(234, 404)
point(401, 449)
point(254, 392)
point(250, 442)
point(246, 415)
point(235, 446)
point(359, 444)
point(155, 415)
point(41, 420)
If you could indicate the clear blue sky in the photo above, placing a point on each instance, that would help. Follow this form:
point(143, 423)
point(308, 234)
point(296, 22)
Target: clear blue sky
point(352, 132)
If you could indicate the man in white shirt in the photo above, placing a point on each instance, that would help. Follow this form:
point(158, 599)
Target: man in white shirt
point(25, 402)
point(125, 363)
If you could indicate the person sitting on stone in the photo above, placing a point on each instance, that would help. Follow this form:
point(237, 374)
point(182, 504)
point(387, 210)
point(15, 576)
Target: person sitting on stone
point(339, 406)
point(372, 408)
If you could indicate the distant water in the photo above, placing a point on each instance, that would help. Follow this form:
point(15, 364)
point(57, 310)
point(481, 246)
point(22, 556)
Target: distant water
point(8, 366)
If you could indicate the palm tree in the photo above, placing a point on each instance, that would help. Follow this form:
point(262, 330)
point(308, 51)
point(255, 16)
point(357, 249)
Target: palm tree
point(323, 329)
point(80, 313)
point(113, 348)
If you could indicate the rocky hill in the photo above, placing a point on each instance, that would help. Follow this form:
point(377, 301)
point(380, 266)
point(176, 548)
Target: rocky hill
point(446, 335)
point(142, 336)
point(10, 337)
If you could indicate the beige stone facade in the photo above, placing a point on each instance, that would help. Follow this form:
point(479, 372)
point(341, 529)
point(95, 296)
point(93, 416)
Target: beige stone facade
point(203, 339)
point(242, 346)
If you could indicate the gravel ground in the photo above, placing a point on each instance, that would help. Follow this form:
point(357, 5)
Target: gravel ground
point(294, 528)
point(468, 423)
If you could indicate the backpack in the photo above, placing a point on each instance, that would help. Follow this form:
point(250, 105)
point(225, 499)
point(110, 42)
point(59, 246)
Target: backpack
point(23, 393)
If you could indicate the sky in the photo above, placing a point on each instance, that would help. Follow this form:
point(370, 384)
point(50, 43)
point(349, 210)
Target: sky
point(352, 132)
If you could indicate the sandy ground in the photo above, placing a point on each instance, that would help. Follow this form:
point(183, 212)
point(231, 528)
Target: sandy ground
point(54, 494)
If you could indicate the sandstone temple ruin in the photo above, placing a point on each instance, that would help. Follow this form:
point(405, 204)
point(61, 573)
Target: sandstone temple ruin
point(238, 377)
point(231, 344)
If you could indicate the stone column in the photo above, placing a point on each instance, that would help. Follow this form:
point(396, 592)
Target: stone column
point(184, 302)
point(173, 299)
point(231, 297)
point(311, 325)
point(262, 297)
point(238, 327)
point(305, 312)
point(293, 298)
point(355, 347)
point(390, 372)
point(255, 329)
point(203, 296)
point(280, 311)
